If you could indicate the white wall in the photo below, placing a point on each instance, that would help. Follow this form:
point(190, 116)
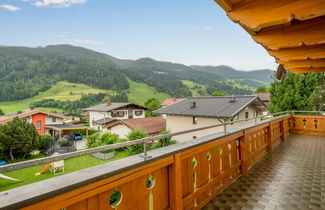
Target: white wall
point(181, 123)
point(176, 123)
point(140, 116)
point(121, 130)
point(48, 121)
point(94, 115)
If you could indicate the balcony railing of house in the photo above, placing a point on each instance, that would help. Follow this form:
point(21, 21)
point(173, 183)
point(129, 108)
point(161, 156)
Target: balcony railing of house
point(181, 176)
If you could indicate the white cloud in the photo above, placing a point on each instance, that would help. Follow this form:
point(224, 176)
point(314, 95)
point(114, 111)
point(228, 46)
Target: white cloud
point(10, 7)
point(206, 28)
point(57, 3)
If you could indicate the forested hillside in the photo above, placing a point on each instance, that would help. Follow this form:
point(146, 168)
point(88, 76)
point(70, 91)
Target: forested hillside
point(25, 72)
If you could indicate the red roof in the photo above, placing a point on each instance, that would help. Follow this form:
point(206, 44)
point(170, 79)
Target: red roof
point(265, 97)
point(149, 125)
point(171, 101)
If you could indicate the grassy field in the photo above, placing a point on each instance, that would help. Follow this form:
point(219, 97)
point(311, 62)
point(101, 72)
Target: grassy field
point(61, 91)
point(195, 87)
point(27, 175)
point(139, 93)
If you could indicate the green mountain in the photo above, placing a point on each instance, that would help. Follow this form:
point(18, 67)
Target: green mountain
point(228, 72)
point(26, 72)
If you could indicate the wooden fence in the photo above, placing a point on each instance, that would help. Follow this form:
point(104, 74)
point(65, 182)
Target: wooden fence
point(189, 178)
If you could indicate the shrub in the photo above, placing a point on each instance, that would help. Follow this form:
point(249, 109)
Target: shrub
point(45, 142)
point(133, 135)
point(64, 143)
point(163, 141)
point(101, 139)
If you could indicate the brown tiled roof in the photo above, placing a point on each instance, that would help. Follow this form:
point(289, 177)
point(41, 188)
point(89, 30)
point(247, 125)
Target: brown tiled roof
point(265, 97)
point(27, 113)
point(170, 101)
point(149, 125)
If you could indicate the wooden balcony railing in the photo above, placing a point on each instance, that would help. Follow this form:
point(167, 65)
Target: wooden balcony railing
point(182, 176)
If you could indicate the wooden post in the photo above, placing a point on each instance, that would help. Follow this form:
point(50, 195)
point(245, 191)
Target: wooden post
point(269, 138)
point(87, 132)
point(175, 183)
point(282, 130)
point(243, 155)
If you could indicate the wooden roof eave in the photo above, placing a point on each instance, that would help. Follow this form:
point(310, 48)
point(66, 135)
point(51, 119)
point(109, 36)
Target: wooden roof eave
point(259, 14)
point(292, 31)
point(294, 35)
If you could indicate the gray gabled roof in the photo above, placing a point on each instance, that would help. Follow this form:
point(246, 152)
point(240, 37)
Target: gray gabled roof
point(218, 106)
point(111, 106)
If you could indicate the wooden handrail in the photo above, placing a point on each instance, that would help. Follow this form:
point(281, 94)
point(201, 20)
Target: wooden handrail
point(181, 176)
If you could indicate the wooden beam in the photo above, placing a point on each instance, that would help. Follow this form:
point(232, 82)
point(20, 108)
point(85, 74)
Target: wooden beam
point(175, 183)
point(225, 4)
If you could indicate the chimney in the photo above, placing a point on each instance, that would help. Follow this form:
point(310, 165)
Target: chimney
point(232, 99)
point(192, 104)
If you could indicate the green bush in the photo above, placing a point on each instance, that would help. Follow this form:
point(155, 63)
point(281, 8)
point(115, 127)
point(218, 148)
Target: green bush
point(133, 135)
point(163, 141)
point(45, 142)
point(64, 143)
point(101, 139)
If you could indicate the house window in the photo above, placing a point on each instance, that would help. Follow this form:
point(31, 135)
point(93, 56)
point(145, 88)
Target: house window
point(256, 114)
point(232, 121)
point(138, 113)
point(118, 114)
point(53, 119)
point(39, 125)
point(194, 120)
point(246, 115)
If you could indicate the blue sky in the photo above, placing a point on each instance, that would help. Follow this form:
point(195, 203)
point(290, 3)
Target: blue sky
point(182, 31)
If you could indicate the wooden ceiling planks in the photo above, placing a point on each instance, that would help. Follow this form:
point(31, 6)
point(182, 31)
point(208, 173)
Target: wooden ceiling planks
point(259, 14)
point(293, 35)
point(293, 31)
point(304, 63)
point(299, 53)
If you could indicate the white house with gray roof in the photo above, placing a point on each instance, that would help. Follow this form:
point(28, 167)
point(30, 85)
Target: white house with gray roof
point(102, 114)
point(199, 112)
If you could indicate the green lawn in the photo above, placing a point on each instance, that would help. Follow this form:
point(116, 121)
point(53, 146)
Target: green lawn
point(195, 87)
point(27, 175)
point(59, 91)
point(139, 93)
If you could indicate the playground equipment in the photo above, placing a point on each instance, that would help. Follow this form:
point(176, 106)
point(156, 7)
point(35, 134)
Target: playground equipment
point(55, 167)
point(9, 178)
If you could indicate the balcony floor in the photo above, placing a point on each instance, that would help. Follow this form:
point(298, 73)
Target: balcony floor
point(291, 177)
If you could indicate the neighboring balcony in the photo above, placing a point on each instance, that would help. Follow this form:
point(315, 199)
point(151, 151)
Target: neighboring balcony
point(277, 163)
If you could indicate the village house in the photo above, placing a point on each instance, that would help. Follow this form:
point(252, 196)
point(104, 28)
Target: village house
point(45, 122)
point(102, 114)
point(150, 125)
point(199, 112)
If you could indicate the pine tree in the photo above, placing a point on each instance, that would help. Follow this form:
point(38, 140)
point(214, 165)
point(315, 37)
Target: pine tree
point(297, 92)
point(18, 138)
